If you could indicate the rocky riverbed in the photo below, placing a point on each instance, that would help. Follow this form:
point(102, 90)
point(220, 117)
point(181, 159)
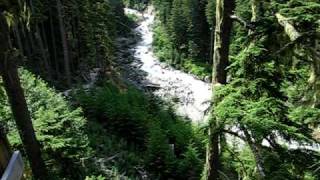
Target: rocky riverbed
point(190, 96)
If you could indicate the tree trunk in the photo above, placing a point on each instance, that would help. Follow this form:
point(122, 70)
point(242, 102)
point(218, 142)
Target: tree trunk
point(30, 33)
point(64, 43)
point(11, 82)
point(211, 44)
point(256, 153)
point(256, 10)
point(39, 39)
point(45, 48)
point(43, 52)
point(26, 43)
point(31, 39)
point(4, 151)
point(224, 10)
point(18, 38)
point(288, 27)
point(53, 43)
point(212, 156)
point(314, 79)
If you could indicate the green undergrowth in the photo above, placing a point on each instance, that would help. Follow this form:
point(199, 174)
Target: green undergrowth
point(136, 4)
point(169, 145)
point(72, 146)
point(107, 133)
point(163, 48)
point(132, 18)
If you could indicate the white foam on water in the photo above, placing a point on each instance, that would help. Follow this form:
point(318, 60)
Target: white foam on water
point(193, 95)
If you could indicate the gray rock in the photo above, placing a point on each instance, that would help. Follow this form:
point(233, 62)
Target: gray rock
point(207, 79)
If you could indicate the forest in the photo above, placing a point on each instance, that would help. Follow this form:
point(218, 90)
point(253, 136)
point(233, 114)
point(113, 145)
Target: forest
point(160, 89)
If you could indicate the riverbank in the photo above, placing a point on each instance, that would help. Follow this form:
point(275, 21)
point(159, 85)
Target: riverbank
point(190, 96)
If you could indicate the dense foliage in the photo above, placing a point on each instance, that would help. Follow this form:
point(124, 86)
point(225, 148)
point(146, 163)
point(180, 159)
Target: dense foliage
point(265, 115)
point(136, 4)
point(59, 127)
point(183, 35)
point(63, 40)
point(171, 146)
point(268, 101)
point(272, 91)
point(120, 126)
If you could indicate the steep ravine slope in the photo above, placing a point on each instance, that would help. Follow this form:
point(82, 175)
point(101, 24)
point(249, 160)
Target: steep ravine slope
point(190, 96)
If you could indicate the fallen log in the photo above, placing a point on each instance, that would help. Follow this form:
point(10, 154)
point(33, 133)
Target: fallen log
point(152, 86)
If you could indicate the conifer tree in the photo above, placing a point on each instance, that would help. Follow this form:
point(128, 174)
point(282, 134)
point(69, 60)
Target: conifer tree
point(9, 73)
point(224, 10)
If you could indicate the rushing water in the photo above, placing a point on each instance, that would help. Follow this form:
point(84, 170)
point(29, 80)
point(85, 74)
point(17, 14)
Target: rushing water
point(190, 95)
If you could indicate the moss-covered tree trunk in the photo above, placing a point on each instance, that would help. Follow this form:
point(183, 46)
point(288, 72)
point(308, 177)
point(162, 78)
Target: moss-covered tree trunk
point(314, 79)
point(224, 9)
point(213, 155)
point(11, 83)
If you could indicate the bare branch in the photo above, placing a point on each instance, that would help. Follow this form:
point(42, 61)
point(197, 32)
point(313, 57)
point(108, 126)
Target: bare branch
point(242, 21)
point(235, 134)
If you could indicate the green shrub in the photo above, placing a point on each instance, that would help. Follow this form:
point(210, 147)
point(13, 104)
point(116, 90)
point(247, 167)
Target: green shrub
point(136, 4)
point(160, 157)
point(149, 124)
point(191, 165)
point(123, 113)
point(201, 70)
point(72, 146)
point(165, 51)
point(162, 44)
point(132, 18)
point(59, 128)
point(125, 133)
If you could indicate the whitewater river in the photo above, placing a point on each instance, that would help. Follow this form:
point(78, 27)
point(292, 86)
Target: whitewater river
point(190, 95)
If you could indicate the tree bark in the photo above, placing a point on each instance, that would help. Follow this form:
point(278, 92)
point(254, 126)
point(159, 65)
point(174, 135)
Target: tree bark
point(53, 43)
point(26, 43)
point(29, 32)
point(254, 12)
point(314, 79)
point(43, 52)
point(39, 39)
point(45, 48)
point(212, 156)
point(223, 27)
point(4, 150)
point(211, 44)
point(288, 27)
point(64, 43)
point(256, 153)
point(224, 10)
point(11, 82)
point(18, 38)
